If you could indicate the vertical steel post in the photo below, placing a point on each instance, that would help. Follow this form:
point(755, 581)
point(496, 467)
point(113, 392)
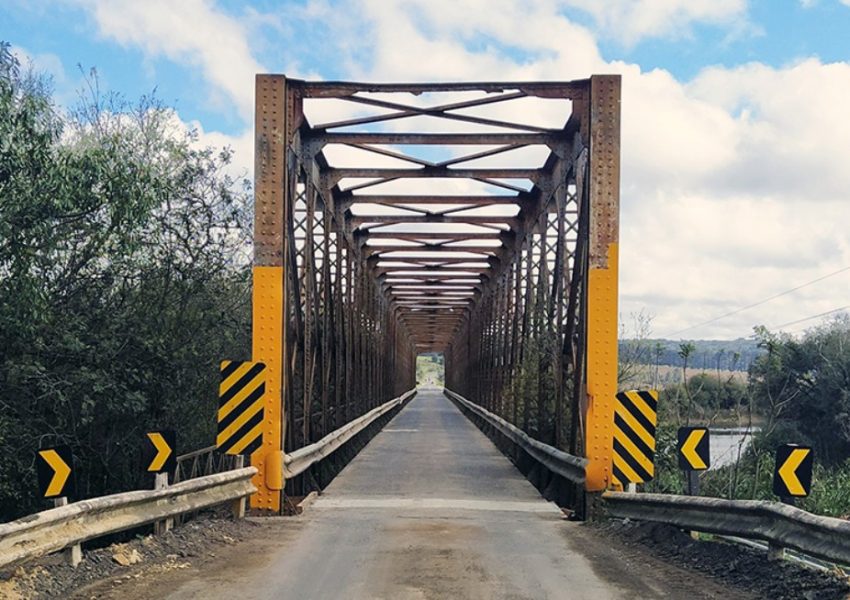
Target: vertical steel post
point(160, 482)
point(74, 554)
point(271, 208)
point(237, 507)
point(604, 186)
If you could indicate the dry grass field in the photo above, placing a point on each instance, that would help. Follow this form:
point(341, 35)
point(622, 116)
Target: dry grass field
point(661, 376)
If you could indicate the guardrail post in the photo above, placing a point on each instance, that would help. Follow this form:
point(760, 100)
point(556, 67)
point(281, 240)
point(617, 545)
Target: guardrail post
point(73, 554)
point(774, 550)
point(160, 527)
point(238, 505)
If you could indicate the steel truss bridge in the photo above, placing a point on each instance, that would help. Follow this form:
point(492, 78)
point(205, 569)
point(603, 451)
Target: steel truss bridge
point(476, 220)
point(479, 220)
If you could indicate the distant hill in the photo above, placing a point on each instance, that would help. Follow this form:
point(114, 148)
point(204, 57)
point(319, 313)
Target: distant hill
point(726, 355)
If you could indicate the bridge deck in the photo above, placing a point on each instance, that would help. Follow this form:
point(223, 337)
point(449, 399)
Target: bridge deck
point(429, 509)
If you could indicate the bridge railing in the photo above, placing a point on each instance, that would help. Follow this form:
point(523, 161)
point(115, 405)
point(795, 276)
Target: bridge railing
point(53, 530)
point(780, 525)
point(557, 461)
point(203, 478)
point(199, 463)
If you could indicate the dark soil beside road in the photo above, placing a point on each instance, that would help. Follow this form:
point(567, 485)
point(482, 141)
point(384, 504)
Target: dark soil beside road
point(143, 558)
point(736, 566)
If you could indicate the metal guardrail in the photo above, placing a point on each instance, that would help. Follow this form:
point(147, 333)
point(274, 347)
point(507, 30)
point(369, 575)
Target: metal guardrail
point(52, 530)
point(205, 461)
point(557, 461)
point(792, 555)
point(199, 463)
point(302, 459)
point(201, 480)
point(779, 524)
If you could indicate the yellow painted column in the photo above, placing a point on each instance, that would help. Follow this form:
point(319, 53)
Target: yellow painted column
point(269, 279)
point(268, 347)
point(603, 131)
point(601, 370)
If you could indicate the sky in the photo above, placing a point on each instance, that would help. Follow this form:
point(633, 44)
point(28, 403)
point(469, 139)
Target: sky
point(735, 133)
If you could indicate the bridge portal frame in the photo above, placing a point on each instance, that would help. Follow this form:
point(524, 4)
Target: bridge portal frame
point(339, 328)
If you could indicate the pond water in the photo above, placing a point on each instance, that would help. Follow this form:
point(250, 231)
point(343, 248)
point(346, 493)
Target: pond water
point(724, 445)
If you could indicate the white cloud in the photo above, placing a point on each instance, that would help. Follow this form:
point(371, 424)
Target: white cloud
point(733, 183)
point(792, 136)
point(634, 20)
point(191, 32)
point(690, 257)
point(65, 92)
point(47, 63)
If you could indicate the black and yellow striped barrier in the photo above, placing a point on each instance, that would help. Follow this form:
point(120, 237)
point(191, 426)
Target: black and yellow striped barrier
point(240, 407)
point(635, 418)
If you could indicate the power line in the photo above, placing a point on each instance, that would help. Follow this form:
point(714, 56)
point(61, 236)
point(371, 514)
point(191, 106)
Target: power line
point(823, 314)
point(760, 302)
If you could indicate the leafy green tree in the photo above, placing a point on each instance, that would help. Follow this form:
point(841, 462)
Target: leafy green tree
point(703, 397)
point(804, 385)
point(123, 281)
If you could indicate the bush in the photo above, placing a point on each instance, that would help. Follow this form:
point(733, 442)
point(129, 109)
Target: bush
point(123, 282)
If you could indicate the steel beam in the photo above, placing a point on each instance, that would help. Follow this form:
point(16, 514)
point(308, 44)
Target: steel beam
point(441, 139)
point(345, 89)
point(431, 199)
point(602, 329)
point(271, 187)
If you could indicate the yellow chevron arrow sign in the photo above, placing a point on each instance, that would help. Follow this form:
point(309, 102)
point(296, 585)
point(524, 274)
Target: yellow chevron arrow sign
point(159, 452)
point(61, 470)
point(163, 451)
point(690, 449)
point(694, 452)
point(793, 471)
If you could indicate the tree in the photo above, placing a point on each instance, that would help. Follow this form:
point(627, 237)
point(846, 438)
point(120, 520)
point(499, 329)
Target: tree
point(803, 386)
point(123, 282)
point(635, 351)
point(686, 349)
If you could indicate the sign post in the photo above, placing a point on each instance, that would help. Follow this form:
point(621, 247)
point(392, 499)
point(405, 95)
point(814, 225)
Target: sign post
point(792, 478)
point(159, 456)
point(54, 468)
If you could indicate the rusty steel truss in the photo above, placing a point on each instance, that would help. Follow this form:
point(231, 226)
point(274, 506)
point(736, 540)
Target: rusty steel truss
point(475, 219)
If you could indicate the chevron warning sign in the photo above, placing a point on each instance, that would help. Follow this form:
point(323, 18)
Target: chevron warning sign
point(159, 453)
point(694, 453)
point(240, 406)
point(635, 417)
point(793, 475)
point(54, 468)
